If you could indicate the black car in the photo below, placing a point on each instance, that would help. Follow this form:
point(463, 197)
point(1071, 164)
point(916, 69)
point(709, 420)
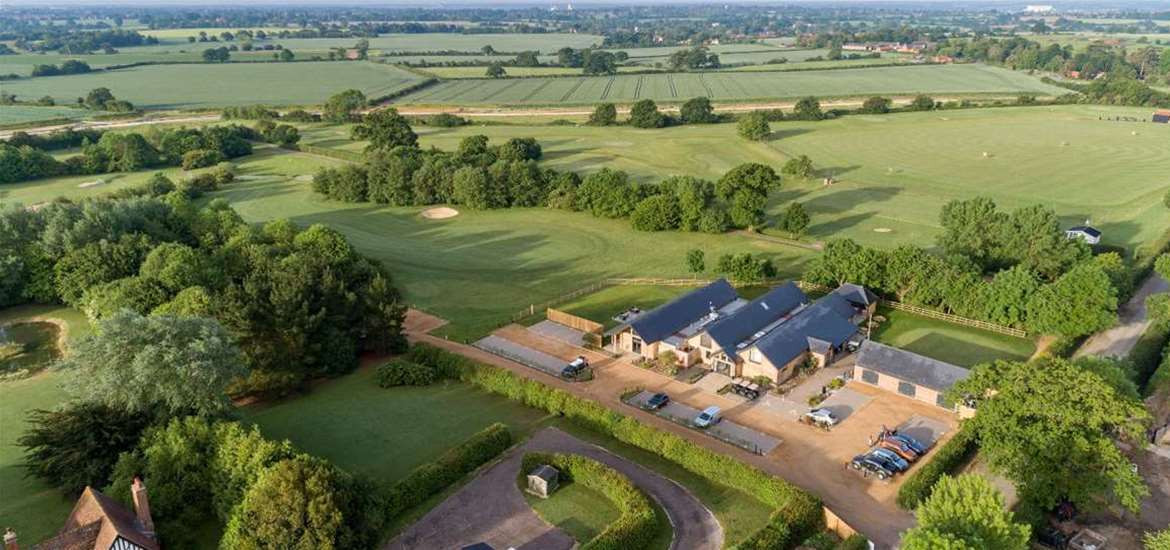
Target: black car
point(657, 401)
point(914, 444)
point(867, 464)
point(885, 461)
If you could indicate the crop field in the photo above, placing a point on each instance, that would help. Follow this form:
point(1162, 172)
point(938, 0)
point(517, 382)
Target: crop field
point(478, 72)
point(22, 64)
point(207, 85)
point(883, 61)
point(933, 79)
point(16, 114)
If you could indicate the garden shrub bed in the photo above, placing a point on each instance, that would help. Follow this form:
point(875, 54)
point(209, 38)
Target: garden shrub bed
point(429, 479)
point(637, 524)
point(400, 372)
point(954, 453)
point(799, 512)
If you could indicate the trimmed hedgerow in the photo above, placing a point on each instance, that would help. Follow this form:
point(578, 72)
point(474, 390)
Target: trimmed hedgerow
point(431, 478)
point(954, 453)
point(636, 524)
point(399, 372)
point(799, 512)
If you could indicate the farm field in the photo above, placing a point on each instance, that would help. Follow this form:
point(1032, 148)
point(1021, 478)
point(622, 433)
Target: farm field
point(890, 189)
point(207, 85)
point(886, 60)
point(17, 114)
point(478, 72)
point(955, 344)
point(935, 79)
point(22, 64)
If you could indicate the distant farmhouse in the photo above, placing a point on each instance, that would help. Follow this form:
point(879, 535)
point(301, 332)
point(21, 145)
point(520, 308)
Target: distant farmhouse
point(771, 336)
point(1162, 116)
point(1086, 233)
point(898, 47)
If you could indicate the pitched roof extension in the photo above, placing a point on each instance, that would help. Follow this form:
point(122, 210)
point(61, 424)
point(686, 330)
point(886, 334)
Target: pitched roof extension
point(779, 302)
point(673, 316)
point(826, 320)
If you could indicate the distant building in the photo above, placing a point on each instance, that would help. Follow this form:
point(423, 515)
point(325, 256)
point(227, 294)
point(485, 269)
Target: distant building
point(1086, 233)
point(1038, 8)
point(1162, 116)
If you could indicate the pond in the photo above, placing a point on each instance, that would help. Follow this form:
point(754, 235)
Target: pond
point(27, 347)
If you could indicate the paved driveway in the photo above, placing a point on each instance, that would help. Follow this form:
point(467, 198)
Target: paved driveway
point(726, 430)
point(522, 354)
point(491, 508)
point(1132, 321)
point(844, 402)
point(559, 332)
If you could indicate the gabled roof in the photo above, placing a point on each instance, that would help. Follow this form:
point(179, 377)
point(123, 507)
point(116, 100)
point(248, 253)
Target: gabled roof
point(669, 318)
point(96, 522)
point(1086, 229)
point(826, 320)
point(910, 367)
point(855, 294)
point(729, 331)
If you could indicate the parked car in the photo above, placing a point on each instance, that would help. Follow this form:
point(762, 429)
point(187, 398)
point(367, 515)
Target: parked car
point(854, 343)
point(575, 367)
point(914, 444)
point(820, 417)
point(709, 417)
point(898, 462)
point(866, 463)
point(657, 401)
point(890, 464)
point(898, 447)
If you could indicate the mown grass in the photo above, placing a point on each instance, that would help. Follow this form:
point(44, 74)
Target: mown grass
point(955, 344)
point(577, 510)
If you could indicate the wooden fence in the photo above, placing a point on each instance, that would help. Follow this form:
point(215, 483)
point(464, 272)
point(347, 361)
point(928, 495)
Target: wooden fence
point(834, 523)
point(532, 309)
point(569, 320)
point(933, 314)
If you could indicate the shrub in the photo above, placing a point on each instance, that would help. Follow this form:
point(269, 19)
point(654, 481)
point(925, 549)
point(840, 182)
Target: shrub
point(201, 158)
point(753, 126)
point(798, 510)
point(955, 452)
point(431, 478)
point(398, 372)
point(446, 120)
point(635, 525)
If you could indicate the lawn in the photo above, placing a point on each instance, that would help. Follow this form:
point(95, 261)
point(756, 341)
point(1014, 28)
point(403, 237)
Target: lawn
point(35, 509)
point(386, 433)
point(935, 79)
point(208, 85)
point(949, 342)
point(577, 510)
point(603, 305)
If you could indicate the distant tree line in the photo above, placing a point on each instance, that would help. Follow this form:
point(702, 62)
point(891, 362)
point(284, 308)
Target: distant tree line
point(71, 66)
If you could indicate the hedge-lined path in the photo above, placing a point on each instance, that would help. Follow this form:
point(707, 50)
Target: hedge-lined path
point(491, 508)
point(1132, 321)
point(879, 520)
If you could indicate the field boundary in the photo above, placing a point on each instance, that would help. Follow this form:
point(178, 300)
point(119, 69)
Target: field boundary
point(572, 321)
point(955, 319)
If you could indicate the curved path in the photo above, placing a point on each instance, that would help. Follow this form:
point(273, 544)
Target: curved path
point(491, 509)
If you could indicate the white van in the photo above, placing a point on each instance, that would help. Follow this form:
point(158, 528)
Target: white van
point(709, 417)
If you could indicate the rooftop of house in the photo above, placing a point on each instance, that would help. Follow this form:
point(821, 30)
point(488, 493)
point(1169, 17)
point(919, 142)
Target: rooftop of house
point(756, 317)
point(910, 367)
point(1086, 229)
point(96, 522)
point(679, 313)
point(827, 322)
point(856, 294)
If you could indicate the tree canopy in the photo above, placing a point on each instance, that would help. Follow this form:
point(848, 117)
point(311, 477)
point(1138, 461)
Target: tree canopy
point(965, 513)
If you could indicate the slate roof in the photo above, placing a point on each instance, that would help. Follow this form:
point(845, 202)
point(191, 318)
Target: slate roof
point(545, 472)
point(827, 320)
point(669, 318)
point(1088, 230)
point(729, 331)
point(96, 522)
point(909, 367)
point(855, 294)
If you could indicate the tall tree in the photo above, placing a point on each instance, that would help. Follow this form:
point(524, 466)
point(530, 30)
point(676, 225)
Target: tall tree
point(753, 126)
point(1080, 302)
point(341, 106)
point(1053, 428)
point(965, 513)
point(697, 110)
point(644, 114)
point(604, 114)
point(385, 129)
point(746, 189)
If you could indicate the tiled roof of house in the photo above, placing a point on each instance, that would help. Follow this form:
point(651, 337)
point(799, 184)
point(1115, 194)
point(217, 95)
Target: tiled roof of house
point(827, 320)
point(95, 523)
point(908, 366)
point(669, 318)
point(729, 331)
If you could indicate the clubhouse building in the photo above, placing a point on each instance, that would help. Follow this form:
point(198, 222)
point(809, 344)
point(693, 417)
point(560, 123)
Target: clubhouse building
point(770, 336)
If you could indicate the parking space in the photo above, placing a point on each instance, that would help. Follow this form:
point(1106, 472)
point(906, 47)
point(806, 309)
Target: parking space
point(522, 354)
point(558, 332)
point(926, 430)
point(844, 402)
point(726, 430)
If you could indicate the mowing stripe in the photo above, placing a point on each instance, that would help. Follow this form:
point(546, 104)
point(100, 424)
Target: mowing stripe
point(638, 88)
point(569, 93)
point(705, 86)
point(742, 90)
point(536, 90)
point(508, 86)
point(670, 81)
point(608, 85)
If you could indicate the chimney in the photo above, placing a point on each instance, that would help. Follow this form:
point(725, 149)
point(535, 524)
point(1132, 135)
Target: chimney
point(10, 540)
point(142, 507)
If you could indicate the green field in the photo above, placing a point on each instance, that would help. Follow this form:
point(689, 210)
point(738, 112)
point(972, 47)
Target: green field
point(577, 510)
point(30, 505)
point(949, 342)
point(18, 114)
point(479, 72)
point(207, 85)
point(810, 65)
point(895, 172)
point(935, 79)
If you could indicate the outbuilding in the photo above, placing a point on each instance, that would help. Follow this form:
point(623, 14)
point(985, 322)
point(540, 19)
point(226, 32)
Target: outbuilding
point(543, 480)
point(1086, 233)
point(906, 373)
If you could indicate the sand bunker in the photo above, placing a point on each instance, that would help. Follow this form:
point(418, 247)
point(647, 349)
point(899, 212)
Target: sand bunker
point(440, 213)
point(882, 230)
point(90, 183)
point(304, 177)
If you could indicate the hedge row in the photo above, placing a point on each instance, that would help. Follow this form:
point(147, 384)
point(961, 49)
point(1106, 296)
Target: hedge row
point(799, 511)
point(954, 453)
point(635, 526)
point(399, 372)
point(431, 478)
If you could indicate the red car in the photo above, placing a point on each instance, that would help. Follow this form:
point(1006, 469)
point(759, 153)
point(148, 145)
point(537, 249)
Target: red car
point(901, 449)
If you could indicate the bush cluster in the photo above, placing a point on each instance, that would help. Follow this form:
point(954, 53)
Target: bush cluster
point(431, 478)
point(799, 511)
point(953, 454)
point(636, 524)
point(400, 372)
